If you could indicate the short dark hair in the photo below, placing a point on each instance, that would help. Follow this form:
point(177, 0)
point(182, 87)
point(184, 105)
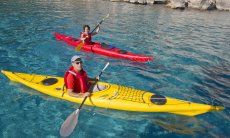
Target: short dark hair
point(86, 26)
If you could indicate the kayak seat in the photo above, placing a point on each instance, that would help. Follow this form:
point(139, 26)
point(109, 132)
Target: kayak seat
point(106, 46)
point(122, 51)
point(49, 81)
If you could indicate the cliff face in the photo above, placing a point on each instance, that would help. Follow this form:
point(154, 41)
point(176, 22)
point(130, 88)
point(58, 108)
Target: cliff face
point(182, 4)
point(223, 4)
point(197, 4)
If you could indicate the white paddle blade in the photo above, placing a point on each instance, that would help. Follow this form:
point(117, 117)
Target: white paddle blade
point(104, 18)
point(107, 15)
point(69, 124)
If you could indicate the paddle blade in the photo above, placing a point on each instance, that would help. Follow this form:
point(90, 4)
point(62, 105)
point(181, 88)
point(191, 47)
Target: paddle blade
point(79, 46)
point(107, 15)
point(102, 20)
point(69, 124)
point(107, 64)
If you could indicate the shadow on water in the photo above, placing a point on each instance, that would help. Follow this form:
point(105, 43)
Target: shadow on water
point(215, 84)
point(172, 123)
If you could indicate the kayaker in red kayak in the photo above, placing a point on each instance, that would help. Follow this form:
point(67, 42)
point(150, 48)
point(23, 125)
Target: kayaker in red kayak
point(86, 36)
point(76, 79)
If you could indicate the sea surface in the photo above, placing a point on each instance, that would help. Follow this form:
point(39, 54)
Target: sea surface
point(191, 51)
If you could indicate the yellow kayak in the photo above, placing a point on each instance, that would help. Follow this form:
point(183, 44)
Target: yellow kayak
point(113, 96)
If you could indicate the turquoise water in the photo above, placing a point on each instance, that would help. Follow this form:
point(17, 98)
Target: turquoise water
point(192, 62)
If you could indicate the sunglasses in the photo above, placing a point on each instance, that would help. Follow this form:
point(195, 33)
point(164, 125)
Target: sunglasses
point(80, 62)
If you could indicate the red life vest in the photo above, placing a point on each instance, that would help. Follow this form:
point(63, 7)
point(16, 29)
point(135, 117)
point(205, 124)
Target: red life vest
point(81, 83)
point(88, 37)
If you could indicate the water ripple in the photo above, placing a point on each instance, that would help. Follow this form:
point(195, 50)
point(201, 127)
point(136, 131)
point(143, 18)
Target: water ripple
point(191, 62)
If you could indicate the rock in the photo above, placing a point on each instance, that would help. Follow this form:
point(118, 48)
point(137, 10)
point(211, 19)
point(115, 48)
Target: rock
point(212, 5)
point(182, 4)
point(223, 4)
point(150, 1)
point(161, 1)
point(202, 4)
point(134, 1)
point(142, 2)
point(116, 0)
point(177, 4)
point(138, 1)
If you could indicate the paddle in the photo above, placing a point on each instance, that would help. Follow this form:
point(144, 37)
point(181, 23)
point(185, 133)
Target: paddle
point(72, 120)
point(79, 46)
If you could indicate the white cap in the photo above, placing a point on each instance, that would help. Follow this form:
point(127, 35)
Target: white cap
point(74, 58)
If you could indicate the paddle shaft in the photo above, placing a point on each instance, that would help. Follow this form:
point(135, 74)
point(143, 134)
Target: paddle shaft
point(93, 85)
point(100, 23)
point(86, 97)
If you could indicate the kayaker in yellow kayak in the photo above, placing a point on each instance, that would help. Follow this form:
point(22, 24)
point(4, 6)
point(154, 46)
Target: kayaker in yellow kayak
point(76, 79)
point(86, 36)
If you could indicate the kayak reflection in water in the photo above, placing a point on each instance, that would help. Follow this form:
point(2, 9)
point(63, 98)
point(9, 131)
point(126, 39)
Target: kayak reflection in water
point(76, 79)
point(86, 36)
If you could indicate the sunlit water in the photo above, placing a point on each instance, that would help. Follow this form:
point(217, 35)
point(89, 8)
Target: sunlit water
point(192, 62)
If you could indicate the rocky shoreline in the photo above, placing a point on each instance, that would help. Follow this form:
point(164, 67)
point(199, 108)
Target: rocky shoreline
point(183, 4)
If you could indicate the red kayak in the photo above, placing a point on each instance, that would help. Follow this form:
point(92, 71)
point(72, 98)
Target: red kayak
point(103, 49)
